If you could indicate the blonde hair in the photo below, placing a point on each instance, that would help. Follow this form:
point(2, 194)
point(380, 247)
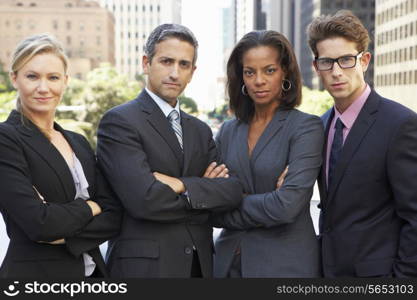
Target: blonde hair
point(34, 45)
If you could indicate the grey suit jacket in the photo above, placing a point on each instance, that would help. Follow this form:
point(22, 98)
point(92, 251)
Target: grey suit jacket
point(272, 227)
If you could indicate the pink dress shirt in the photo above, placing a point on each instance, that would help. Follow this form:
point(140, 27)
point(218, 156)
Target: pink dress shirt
point(348, 118)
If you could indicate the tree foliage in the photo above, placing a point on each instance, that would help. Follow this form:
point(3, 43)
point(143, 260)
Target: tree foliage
point(85, 102)
point(315, 102)
point(188, 105)
point(7, 103)
point(5, 84)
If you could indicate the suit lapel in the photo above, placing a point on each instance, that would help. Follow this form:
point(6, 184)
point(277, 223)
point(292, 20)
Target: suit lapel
point(40, 144)
point(270, 131)
point(161, 125)
point(327, 120)
point(360, 128)
point(243, 156)
point(189, 135)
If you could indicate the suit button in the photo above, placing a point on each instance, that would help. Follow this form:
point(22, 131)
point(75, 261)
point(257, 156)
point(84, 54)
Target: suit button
point(188, 250)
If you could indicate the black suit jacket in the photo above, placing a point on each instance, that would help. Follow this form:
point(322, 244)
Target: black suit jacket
point(28, 159)
point(368, 220)
point(159, 227)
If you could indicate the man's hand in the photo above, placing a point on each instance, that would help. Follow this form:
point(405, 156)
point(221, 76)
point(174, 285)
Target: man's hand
point(95, 208)
point(215, 171)
point(281, 178)
point(174, 183)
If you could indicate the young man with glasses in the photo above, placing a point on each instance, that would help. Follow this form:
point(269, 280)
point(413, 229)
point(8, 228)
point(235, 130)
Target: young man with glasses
point(368, 220)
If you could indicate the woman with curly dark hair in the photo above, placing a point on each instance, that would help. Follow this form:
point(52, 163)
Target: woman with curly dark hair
point(271, 234)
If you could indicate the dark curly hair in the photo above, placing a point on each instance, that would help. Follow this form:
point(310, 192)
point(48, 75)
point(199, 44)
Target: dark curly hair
point(242, 105)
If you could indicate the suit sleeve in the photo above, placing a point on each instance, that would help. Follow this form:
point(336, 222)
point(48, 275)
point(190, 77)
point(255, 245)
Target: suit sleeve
point(214, 194)
point(123, 160)
point(102, 227)
point(19, 201)
point(282, 206)
point(402, 172)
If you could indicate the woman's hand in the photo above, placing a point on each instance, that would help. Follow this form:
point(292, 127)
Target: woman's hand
point(281, 178)
point(56, 242)
point(215, 171)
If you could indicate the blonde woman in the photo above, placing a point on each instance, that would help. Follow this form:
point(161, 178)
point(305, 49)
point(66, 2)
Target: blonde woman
point(53, 199)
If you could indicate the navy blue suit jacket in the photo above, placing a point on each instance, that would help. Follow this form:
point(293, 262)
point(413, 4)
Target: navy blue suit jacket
point(368, 223)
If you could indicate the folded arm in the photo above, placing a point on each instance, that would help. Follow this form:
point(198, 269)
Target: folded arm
point(284, 204)
point(40, 220)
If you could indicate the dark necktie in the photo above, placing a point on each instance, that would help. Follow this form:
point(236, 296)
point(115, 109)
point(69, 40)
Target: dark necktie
point(174, 119)
point(336, 149)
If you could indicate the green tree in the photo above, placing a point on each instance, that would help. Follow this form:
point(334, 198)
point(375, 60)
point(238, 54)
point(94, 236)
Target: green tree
point(188, 105)
point(221, 113)
point(5, 84)
point(315, 102)
point(7, 103)
point(103, 89)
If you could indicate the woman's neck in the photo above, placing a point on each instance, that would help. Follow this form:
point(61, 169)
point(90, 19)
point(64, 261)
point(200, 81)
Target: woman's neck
point(265, 112)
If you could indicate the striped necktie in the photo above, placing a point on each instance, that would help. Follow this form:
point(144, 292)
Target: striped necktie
point(174, 119)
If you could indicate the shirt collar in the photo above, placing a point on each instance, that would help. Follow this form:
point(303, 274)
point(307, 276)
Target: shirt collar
point(348, 117)
point(163, 105)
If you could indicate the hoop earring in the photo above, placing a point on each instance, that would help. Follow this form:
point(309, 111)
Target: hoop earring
point(286, 85)
point(243, 90)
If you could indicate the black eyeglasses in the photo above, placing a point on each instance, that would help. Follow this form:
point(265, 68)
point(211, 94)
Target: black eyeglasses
point(345, 62)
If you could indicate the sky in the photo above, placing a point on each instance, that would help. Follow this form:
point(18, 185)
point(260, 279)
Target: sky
point(204, 18)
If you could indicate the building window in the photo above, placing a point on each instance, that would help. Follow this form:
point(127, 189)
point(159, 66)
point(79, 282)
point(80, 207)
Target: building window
point(68, 25)
point(19, 4)
point(32, 4)
point(31, 25)
point(68, 40)
point(143, 8)
point(68, 4)
point(81, 26)
point(98, 41)
point(55, 24)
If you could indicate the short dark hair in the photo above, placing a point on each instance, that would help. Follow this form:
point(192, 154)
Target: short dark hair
point(242, 105)
point(342, 24)
point(166, 31)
